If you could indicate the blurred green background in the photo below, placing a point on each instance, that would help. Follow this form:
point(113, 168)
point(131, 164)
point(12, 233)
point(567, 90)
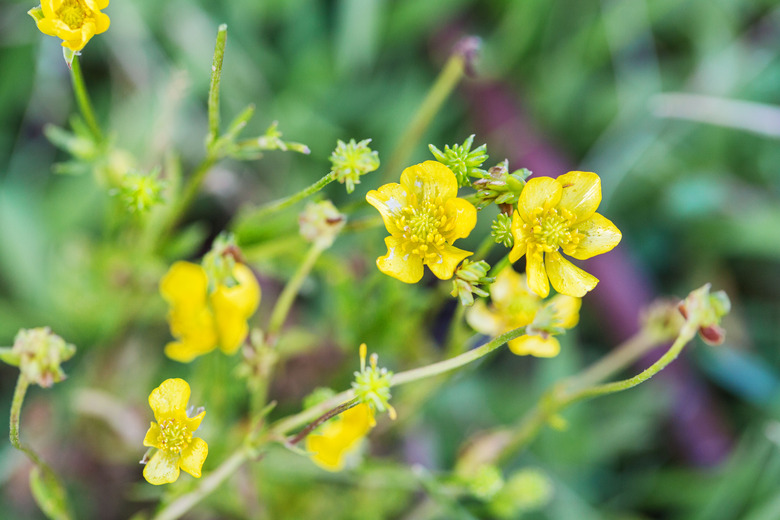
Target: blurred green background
point(675, 103)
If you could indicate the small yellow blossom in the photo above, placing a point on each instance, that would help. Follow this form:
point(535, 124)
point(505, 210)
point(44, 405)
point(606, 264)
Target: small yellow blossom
point(555, 214)
point(73, 21)
point(202, 319)
point(424, 217)
point(340, 437)
point(514, 305)
point(172, 435)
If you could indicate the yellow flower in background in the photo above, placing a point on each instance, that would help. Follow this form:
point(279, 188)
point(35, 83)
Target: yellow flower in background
point(340, 437)
point(560, 214)
point(514, 305)
point(424, 217)
point(73, 21)
point(172, 435)
point(202, 320)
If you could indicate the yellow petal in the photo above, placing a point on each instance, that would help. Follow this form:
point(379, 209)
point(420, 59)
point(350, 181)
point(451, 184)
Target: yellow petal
point(324, 452)
point(388, 199)
point(150, 439)
point(567, 310)
point(194, 423)
point(229, 319)
point(185, 284)
point(429, 180)
point(193, 456)
point(102, 23)
point(519, 236)
point(483, 320)
point(567, 278)
point(508, 285)
point(47, 26)
point(170, 398)
point(536, 275)
point(445, 264)
point(163, 468)
point(184, 352)
point(601, 235)
point(102, 4)
point(535, 346)
point(539, 192)
point(357, 421)
point(581, 193)
point(50, 7)
point(404, 267)
point(464, 214)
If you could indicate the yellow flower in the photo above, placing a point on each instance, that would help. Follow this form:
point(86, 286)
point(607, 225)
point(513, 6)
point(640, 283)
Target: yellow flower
point(201, 320)
point(424, 217)
point(340, 437)
point(555, 214)
point(172, 435)
point(73, 21)
point(514, 305)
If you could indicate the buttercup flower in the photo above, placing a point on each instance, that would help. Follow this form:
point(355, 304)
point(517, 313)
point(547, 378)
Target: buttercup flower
point(172, 435)
point(73, 21)
point(555, 214)
point(203, 319)
point(424, 217)
point(514, 305)
point(340, 437)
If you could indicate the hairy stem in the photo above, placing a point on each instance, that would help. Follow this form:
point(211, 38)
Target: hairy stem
point(216, 77)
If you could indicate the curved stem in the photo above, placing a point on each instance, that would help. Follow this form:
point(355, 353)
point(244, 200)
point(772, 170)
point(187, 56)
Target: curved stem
point(83, 101)
point(280, 204)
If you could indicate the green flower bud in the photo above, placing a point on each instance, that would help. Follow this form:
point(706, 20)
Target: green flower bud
point(39, 354)
point(501, 186)
point(462, 160)
point(502, 230)
point(705, 310)
point(467, 280)
point(139, 192)
point(320, 223)
point(351, 160)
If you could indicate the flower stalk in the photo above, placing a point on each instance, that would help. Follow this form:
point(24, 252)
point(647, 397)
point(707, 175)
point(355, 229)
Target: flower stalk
point(83, 101)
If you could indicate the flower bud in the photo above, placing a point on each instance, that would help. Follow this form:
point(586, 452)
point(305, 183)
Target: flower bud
point(39, 354)
point(705, 311)
point(500, 186)
point(462, 160)
point(502, 230)
point(138, 192)
point(467, 280)
point(320, 223)
point(220, 262)
point(351, 160)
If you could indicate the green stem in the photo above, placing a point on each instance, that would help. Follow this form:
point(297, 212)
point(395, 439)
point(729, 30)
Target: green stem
point(449, 77)
point(208, 484)
point(290, 291)
point(571, 391)
point(16, 410)
point(216, 77)
point(83, 101)
point(280, 204)
point(484, 248)
point(686, 334)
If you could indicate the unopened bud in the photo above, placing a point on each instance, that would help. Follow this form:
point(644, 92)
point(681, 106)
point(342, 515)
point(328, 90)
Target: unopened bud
point(705, 310)
point(500, 186)
point(39, 354)
point(321, 222)
point(468, 278)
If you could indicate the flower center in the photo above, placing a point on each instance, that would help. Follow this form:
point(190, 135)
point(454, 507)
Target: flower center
point(174, 435)
point(550, 229)
point(424, 228)
point(72, 13)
